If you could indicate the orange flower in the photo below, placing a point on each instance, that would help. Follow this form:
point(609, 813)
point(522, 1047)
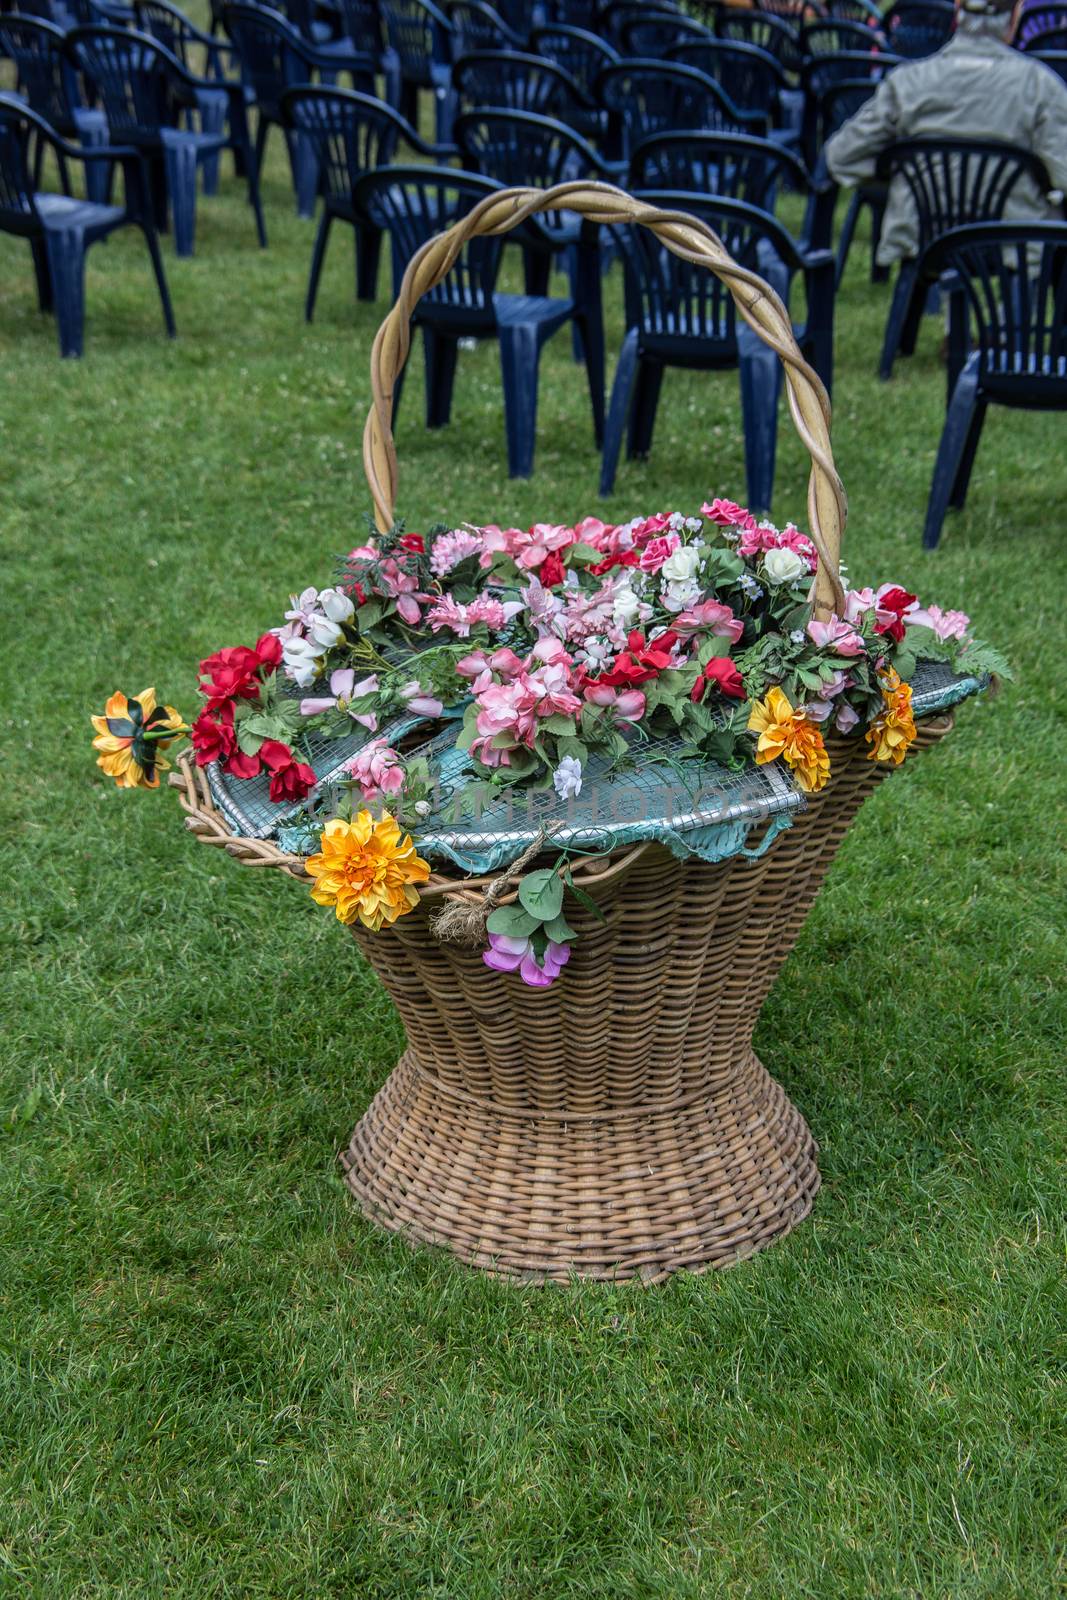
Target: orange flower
point(890, 734)
point(788, 733)
point(130, 736)
point(366, 870)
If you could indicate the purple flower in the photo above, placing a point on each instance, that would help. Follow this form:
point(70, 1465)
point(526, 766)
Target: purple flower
point(508, 954)
point(343, 690)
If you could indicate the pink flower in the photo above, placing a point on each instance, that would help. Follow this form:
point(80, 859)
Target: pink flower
point(657, 551)
point(488, 754)
point(946, 624)
point(507, 954)
point(419, 704)
point(363, 552)
point(484, 608)
point(628, 704)
point(727, 514)
point(449, 549)
point(377, 770)
point(402, 587)
point(846, 719)
point(710, 616)
point(837, 636)
point(343, 690)
point(551, 688)
point(859, 601)
point(506, 708)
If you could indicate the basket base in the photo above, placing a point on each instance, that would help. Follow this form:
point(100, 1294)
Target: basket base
point(629, 1194)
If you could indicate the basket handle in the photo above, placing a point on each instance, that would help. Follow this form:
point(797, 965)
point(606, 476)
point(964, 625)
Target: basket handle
point(687, 237)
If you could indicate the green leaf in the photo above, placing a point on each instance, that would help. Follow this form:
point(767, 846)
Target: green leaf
point(559, 930)
point(584, 899)
point(558, 722)
point(904, 662)
point(584, 554)
point(573, 747)
point(541, 893)
point(512, 921)
point(247, 742)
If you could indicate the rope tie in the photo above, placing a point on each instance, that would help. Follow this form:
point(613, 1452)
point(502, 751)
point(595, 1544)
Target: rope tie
point(463, 921)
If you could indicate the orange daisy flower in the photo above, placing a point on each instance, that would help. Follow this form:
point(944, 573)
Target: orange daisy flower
point(366, 870)
point(890, 734)
point(786, 732)
point(130, 739)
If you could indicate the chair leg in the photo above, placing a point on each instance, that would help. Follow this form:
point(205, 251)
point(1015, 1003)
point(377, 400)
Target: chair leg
point(903, 290)
point(958, 498)
point(955, 436)
point(440, 352)
point(66, 266)
point(644, 408)
point(917, 306)
point(250, 170)
point(760, 373)
point(368, 255)
point(156, 257)
point(520, 353)
point(536, 270)
point(621, 394)
point(879, 274)
point(587, 293)
point(211, 107)
point(180, 159)
point(93, 134)
point(40, 271)
point(318, 255)
point(844, 244)
point(261, 144)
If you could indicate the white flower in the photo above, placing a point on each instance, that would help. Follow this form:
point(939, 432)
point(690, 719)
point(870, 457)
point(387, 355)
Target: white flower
point(302, 661)
point(567, 778)
point(798, 636)
point(748, 583)
point(624, 606)
point(337, 606)
point(676, 522)
point(693, 524)
point(422, 808)
point(676, 596)
point(784, 565)
point(324, 634)
point(681, 564)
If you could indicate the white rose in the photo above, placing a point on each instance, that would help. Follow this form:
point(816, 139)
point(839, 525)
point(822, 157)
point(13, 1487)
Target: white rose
point(337, 606)
point(324, 634)
point(625, 606)
point(784, 566)
point(676, 596)
point(681, 565)
point(301, 661)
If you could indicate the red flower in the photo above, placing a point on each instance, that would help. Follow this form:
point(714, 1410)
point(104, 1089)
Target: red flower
point(723, 674)
point(213, 737)
point(290, 779)
point(268, 649)
point(235, 673)
point(624, 558)
point(239, 765)
point(639, 661)
point(897, 601)
point(551, 571)
point(413, 542)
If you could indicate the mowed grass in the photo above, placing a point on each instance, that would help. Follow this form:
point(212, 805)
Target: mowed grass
point(216, 1379)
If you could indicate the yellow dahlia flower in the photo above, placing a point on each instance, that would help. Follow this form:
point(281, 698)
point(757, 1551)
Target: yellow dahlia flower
point(788, 733)
point(890, 734)
point(130, 736)
point(366, 869)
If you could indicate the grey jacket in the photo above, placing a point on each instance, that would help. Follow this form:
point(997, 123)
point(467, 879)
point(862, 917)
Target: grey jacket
point(975, 87)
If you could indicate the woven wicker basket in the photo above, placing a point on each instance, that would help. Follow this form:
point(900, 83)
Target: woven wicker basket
point(619, 1123)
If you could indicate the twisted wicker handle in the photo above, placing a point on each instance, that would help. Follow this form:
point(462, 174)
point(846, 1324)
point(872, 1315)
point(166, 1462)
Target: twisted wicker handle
point(687, 237)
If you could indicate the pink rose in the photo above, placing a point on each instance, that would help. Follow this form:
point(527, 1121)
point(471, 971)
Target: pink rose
point(837, 636)
point(657, 551)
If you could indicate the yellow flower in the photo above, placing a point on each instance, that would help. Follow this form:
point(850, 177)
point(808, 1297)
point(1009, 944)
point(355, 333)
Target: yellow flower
point(129, 739)
point(366, 870)
point(788, 733)
point(890, 734)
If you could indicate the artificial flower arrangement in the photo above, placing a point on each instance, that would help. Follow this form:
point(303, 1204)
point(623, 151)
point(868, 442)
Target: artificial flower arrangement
point(543, 648)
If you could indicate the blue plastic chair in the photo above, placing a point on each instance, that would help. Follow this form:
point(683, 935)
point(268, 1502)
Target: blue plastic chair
point(350, 134)
point(951, 182)
point(831, 36)
point(854, 11)
point(420, 36)
point(580, 53)
point(415, 203)
point(274, 58)
point(60, 228)
point(519, 82)
point(1037, 19)
point(49, 86)
point(682, 315)
point(1055, 60)
point(174, 30)
point(611, 18)
point(918, 28)
point(147, 97)
point(754, 80)
point(735, 166)
point(476, 26)
point(779, 36)
point(1007, 340)
point(649, 33)
point(646, 97)
point(796, 12)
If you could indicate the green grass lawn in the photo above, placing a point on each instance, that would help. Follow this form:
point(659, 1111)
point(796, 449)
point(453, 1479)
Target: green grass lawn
point(218, 1380)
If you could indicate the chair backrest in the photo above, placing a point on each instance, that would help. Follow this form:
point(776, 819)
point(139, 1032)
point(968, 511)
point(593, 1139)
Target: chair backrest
point(569, 13)
point(519, 82)
point(916, 28)
point(1051, 41)
point(576, 50)
point(854, 11)
point(656, 33)
point(675, 300)
point(18, 212)
point(820, 73)
point(352, 133)
point(957, 181)
point(777, 35)
point(732, 166)
point(521, 148)
point(166, 24)
point(832, 35)
point(476, 26)
point(646, 97)
point(272, 54)
point(1014, 277)
point(413, 204)
point(1037, 18)
point(419, 33)
point(797, 11)
point(361, 24)
point(1055, 60)
point(752, 78)
point(610, 17)
point(135, 78)
point(835, 104)
point(44, 75)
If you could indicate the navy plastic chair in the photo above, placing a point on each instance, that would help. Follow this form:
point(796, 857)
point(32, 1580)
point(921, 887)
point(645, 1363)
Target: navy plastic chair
point(420, 35)
point(1037, 17)
point(580, 53)
point(646, 97)
point(795, 11)
point(854, 11)
point(415, 203)
point(831, 36)
point(274, 58)
point(918, 28)
point(519, 82)
point(476, 26)
point(173, 29)
point(779, 36)
point(1054, 60)
point(951, 182)
point(754, 80)
point(148, 97)
point(831, 109)
point(611, 17)
point(49, 86)
point(682, 315)
point(861, 69)
point(1011, 308)
point(361, 24)
point(60, 228)
point(651, 33)
point(1050, 41)
point(735, 166)
point(350, 134)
